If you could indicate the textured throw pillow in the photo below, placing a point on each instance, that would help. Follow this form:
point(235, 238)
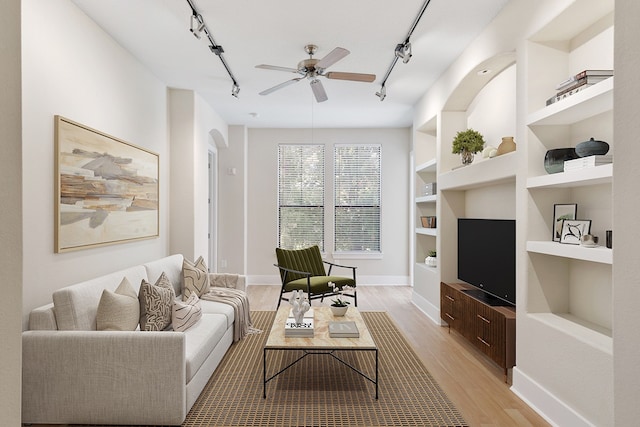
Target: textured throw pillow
point(186, 314)
point(156, 303)
point(119, 310)
point(195, 278)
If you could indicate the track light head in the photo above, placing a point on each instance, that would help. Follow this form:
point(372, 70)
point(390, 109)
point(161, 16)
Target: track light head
point(403, 51)
point(197, 26)
point(235, 90)
point(382, 94)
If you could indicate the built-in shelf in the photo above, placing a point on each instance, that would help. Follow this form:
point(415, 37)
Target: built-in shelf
point(572, 109)
point(602, 174)
point(429, 166)
point(426, 199)
point(426, 231)
point(425, 267)
point(594, 335)
point(600, 254)
point(493, 171)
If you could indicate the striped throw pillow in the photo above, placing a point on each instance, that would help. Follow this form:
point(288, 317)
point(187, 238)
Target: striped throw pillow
point(186, 314)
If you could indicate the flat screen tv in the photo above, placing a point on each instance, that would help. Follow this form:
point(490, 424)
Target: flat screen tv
point(487, 258)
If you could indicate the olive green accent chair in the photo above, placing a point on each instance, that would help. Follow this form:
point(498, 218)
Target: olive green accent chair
point(304, 269)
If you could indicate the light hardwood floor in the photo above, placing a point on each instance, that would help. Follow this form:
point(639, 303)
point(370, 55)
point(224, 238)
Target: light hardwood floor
point(473, 382)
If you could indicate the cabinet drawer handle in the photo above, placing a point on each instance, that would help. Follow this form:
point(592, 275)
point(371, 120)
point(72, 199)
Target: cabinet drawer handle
point(449, 298)
point(484, 319)
point(450, 316)
point(483, 342)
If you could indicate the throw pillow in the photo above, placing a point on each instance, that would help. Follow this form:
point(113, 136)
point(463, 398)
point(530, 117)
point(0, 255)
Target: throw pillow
point(186, 314)
point(195, 278)
point(156, 302)
point(118, 310)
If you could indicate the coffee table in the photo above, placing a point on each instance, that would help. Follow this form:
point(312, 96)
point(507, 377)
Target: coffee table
point(321, 343)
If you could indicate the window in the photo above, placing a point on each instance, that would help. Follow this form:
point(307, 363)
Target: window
point(357, 198)
point(300, 196)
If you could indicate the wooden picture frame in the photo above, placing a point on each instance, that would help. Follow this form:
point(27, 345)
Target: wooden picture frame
point(107, 190)
point(562, 211)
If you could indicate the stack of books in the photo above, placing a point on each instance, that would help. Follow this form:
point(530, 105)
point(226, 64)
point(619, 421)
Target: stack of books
point(579, 82)
point(587, 162)
point(347, 329)
point(299, 330)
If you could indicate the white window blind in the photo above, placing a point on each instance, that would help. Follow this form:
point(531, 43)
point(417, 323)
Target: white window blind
point(300, 196)
point(357, 198)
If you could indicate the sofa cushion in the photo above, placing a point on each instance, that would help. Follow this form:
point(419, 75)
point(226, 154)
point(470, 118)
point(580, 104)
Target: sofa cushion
point(215, 307)
point(171, 266)
point(195, 278)
point(201, 339)
point(118, 310)
point(156, 304)
point(76, 306)
point(186, 314)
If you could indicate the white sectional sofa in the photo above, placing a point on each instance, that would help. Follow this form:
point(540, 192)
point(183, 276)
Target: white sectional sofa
point(74, 374)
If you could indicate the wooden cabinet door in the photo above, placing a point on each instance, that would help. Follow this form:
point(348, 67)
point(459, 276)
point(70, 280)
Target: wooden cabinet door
point(490, 333)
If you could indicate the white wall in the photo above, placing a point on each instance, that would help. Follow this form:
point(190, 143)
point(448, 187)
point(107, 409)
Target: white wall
point(72, 68)
point(393, 268)
point(10, 215)
point(626, 279)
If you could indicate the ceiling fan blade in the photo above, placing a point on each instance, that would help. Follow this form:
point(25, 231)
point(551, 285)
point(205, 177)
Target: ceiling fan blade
point(318, 90)
point(280, 86)
point(332, 57)
point(276, 68)
point(356, 77)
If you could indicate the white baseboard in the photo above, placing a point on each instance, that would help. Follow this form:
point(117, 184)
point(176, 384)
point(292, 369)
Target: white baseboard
point(430, 310)
point(362, 280)
point(548, 406)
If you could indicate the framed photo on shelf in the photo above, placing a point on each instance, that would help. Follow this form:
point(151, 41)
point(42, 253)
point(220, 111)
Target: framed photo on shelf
point(560, 213)
point(574, 229)
point(428, 221)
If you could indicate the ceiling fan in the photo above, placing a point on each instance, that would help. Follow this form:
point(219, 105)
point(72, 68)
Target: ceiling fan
point(312, 68)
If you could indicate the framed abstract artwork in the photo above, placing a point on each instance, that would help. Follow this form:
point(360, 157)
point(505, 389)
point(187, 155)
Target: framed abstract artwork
point(574, 229)
point(106, 189)
point(560, 213)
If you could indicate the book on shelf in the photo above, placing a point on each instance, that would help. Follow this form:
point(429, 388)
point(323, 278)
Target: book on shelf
point(294, 329)
point(587, 162)
point(345, 329)
point(582, 74)
point(581, 82)
point(556, 98)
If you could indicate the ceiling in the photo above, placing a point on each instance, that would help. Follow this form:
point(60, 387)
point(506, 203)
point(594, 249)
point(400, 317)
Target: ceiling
point(275, 32)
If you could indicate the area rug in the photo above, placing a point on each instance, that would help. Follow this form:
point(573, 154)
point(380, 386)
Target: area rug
point(320, 391)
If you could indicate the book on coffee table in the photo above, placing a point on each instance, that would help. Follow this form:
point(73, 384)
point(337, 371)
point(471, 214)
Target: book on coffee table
point(347, 329)
point(293, 329)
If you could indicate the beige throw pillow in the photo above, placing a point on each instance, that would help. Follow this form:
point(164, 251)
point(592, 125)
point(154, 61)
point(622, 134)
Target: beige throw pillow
point(186, 314)
point(119, 310)
point(156, 303)
point(195, 278)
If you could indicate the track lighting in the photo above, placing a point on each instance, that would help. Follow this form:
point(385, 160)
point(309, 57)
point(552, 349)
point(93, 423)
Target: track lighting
point(402, 50)
point(198, 27)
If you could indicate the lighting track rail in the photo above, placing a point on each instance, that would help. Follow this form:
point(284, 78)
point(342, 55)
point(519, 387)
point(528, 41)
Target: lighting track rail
point(198, 27)
point(402, 51)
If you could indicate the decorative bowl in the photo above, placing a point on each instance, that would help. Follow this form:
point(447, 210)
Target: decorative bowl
point(592, 147)
point(554, 159)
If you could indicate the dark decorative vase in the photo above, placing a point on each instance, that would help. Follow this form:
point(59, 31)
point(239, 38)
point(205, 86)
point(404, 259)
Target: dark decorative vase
point(592, 147)
point(554, 159)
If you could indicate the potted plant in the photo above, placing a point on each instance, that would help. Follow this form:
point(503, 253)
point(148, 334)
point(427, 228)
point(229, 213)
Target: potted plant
point(339, 305)
point(431, 259)
point(467, 143)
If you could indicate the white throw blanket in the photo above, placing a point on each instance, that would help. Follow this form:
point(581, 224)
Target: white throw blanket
point(219, 292)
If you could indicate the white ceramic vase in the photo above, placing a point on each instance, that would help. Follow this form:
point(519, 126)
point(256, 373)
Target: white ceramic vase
point(339, 311)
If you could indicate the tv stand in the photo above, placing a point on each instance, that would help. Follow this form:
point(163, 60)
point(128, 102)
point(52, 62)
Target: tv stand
point(490, 328)
point(486, 298)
